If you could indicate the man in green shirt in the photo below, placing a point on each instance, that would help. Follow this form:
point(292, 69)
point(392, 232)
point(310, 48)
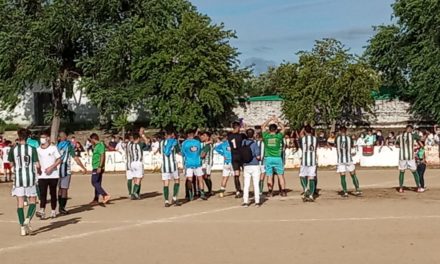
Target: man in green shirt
point(273, 140)
point(98, 165)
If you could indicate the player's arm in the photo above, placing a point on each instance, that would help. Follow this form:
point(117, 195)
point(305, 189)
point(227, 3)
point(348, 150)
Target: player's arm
point(256, 151)
point(265, 124)
point(220, 149)
point(77, 160)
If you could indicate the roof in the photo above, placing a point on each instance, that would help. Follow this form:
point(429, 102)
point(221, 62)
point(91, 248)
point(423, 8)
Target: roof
point(265, 98)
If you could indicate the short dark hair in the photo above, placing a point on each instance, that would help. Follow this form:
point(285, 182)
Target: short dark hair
point(23, 134)
point(207, 133)
point(62, 131)
point(343, 129)
point(94, 136)
point(250, 133)
point(273, 127)
point(409, 126)
point(44, 133)
point(308, 129)
point(190, 131)
point(136, 136)
point(236, 124)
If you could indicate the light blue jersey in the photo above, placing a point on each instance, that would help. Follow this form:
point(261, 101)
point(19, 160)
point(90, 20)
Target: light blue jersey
point(225, 150)
point(191, 150)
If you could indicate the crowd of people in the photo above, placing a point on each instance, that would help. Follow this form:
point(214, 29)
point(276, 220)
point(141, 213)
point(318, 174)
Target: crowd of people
point(40, 166)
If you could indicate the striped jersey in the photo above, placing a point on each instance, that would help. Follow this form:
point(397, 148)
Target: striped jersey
point(260, 144)
point(406, 143)
point(134, 153)
point(67, 152)
point(24, 158)
point(308, 147)
point(169, 162)
point(208, 148)
point(344, 144)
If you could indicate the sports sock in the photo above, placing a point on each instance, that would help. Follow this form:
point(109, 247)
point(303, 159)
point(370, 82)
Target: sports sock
point(401, 178)
point(64, 202)
point(416, 178)
point(176, 189)
point(343, 183)
point(208, 183)
point(355, 181)
point(261, 186)
point(31, 211)
point(20, 213)
point(303, 182)
point(186, 189)
point(135, 189)
point(312, 186)
point(166, 192)
point(139, 189)
point(130, 186)
point(189, 189)
point(237, 183)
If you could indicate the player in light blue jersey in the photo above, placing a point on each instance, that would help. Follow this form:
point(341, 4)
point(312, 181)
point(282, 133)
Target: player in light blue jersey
point(224, 149)
point(191, 151)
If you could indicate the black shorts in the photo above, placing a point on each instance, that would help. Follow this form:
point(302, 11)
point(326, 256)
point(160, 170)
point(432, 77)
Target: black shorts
point(237, 164)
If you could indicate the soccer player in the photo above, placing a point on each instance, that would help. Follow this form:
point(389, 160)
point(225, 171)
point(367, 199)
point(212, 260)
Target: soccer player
point(407, 160)
point(225, 151)
point(191, 150)
point(251, 169)
point(273, 153)
point(24, 160)
point(136, 166)
point(98, 166)
point(128, 170)
point(67, 152)
point(168, 148)
point(307, 174)
point(235, 142)
point(344, 145)
point(208, 159)
point(260, 144)
point(49, 158)
point(6, 164)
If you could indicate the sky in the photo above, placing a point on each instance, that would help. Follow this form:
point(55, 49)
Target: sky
point(272, 31)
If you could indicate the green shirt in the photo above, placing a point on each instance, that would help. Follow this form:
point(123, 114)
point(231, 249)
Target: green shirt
point(98, 150)
point(273, 144)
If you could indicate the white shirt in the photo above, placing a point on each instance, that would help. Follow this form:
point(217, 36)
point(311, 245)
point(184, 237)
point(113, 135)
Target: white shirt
point(5, 154)
point(47, 158)
point(155, 146)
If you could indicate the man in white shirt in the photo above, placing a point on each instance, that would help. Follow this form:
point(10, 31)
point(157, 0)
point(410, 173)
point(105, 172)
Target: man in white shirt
point(48, 175)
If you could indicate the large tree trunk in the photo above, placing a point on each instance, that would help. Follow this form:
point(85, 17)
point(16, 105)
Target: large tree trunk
point(57, 99)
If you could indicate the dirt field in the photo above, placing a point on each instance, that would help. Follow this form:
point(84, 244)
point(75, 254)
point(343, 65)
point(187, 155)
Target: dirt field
point(383, 226)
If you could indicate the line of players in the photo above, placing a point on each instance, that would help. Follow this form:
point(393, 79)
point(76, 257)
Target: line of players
point(258, 156)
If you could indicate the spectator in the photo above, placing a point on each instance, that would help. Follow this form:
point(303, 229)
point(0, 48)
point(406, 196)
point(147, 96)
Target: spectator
point(112, 144)
point(380, 140)
point(73, 140)
point(322, 140)
point(421, 163)
point(120, 146)
point(391, 140)
point(331, 141)
point(370, 138)
point(89, 146)
point(361, 140)
point(78, 149)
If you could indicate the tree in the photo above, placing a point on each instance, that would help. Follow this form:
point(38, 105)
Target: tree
point(261, 85)
point(407, 53)
point(327, 86)
point(171, 61)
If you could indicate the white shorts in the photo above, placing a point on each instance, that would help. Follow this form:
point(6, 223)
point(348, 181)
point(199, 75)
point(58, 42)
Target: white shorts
point(262, 169)
point(207, 169)
point(345, 167)
point(64, 182)
point(166, 176)
point(198, 172)
point(252, 171)
point(137, 169)
point(25, 191)
point(228, 171)
point(128, 174)
point(407, 165)
point(307, 171)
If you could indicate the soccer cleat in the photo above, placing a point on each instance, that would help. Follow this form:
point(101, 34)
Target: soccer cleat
point(238, 195)
point(167, 204)
point(401, 190)
point(41, 214)
point(176, 202)
point(53, 214)
point(23, 231)
point(420, 190)
point(63, 212)
point(27, 225)
point(358, 192)
point(344, 195)
point(283, 193)
point(245, 205)
point(269, 194)
point(311, 198)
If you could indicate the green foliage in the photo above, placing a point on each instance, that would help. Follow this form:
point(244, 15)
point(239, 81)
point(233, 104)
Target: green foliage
point(408, 55)
point(8, 126)
point(261, 85)
point(121, 122)
point(327, 86)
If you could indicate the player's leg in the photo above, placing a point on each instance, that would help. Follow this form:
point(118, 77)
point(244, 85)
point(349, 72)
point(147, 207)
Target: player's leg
point(255, 175)
point(355, 180)
point(43, 185)
point(31, 209)
point(176, 188)
point(189, 183)
point(227, 171)
point(53, 185)
point(247, 183)
point(262, 177)
point(312, 186)
point(199, 175)
point(279, 168)
point(344, 184)
point(413, 167)
point(166, 192)
point(402, 168)
point(129, 182)
point(421, 168)
point(20, 212)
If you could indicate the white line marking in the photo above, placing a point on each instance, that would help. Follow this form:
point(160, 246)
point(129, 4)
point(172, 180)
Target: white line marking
point(112, 229)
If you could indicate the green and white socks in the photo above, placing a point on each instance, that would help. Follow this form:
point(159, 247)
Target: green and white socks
point(130, 187)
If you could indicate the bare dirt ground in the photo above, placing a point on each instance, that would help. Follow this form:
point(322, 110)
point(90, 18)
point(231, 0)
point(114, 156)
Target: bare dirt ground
point(382, 226)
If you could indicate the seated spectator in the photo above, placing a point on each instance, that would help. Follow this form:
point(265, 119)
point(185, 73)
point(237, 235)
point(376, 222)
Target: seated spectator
point(120, 146)
point(360, 142)
point(430, 139)
point(89, 146)
point(322, 140)
point(112, 144)
point(391, 139)
point(380, 140)
point(78, 149)
point(331, 141)
point(370, 138)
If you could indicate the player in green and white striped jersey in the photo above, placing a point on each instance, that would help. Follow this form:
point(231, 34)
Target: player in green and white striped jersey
point(406, 143)
point(135, 165)
point(260, 144)
point(207, 159)
point(344, 145)
point(168, 148)
point(307, 174)
point(24, 160)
